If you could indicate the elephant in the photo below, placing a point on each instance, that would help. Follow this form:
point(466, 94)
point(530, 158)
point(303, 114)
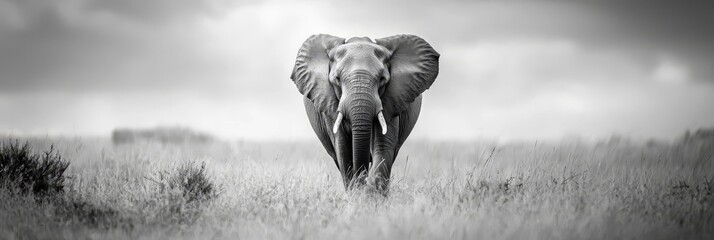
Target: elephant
point(349, 84)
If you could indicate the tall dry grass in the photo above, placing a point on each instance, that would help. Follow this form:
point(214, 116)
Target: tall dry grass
point(440, 190)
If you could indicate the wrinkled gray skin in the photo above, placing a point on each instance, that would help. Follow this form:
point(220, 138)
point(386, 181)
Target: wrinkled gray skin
point(360, 78)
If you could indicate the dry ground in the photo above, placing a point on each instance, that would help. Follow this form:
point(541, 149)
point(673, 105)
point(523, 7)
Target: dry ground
point(440, 190)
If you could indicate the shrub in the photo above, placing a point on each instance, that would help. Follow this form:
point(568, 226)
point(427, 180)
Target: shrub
point(189, 180)
point(41, 174)
point(193, 182)
point(184, 192)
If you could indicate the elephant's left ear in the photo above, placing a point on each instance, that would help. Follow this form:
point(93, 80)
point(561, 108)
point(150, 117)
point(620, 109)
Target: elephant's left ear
point(414, 65)
point(312, 67)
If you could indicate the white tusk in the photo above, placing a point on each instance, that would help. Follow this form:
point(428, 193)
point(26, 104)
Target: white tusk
point(338, 122)
point(380, 116)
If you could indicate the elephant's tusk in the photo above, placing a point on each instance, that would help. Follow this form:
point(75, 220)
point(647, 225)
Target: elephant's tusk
point(383, 123)
point(338, 122)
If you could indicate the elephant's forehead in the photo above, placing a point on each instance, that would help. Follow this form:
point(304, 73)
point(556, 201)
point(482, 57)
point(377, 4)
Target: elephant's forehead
point(360, 50)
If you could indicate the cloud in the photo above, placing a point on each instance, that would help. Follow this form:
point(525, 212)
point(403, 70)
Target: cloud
point(89, 52)
point(668, 71)
point(155, 11)
point(547, 89)
point(508, 69)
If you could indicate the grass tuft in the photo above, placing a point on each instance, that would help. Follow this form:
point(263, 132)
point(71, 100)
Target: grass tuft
point(190, 180)
point(21, 169)
point(185, 192)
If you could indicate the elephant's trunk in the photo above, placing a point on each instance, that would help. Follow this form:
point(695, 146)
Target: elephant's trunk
point(361, 113)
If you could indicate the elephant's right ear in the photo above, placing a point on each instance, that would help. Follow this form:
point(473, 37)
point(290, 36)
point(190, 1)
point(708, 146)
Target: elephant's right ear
point(312, 67)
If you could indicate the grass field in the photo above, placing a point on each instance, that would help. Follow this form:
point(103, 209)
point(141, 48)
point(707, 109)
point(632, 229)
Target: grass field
point(440, 190)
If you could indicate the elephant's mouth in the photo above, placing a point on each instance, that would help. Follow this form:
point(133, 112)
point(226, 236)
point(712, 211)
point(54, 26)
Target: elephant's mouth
point(340, 117)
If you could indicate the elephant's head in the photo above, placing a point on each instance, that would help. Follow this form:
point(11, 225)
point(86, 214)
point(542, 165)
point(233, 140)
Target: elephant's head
point(360, 81)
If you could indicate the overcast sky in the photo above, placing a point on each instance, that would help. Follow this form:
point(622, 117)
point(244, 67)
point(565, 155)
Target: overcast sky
point(510, 70)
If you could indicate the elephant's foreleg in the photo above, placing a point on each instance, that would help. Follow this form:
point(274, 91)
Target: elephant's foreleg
point(386, 147)
point(343, 150)
point(383, 155)
point(338, 146)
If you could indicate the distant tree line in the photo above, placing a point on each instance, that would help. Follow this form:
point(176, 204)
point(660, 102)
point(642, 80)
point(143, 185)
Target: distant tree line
point(700, 134)
point(170, 135)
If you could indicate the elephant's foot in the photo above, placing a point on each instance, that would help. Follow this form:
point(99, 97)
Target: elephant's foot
point(378, 179)
point(356, 181)
point(378, 184)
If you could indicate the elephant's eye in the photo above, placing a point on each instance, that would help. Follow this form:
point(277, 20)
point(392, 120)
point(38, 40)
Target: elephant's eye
point(383, 81)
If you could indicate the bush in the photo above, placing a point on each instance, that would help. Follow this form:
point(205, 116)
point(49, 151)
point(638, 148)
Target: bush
point(189, 180)
point(42, 174)
point(185, 191)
